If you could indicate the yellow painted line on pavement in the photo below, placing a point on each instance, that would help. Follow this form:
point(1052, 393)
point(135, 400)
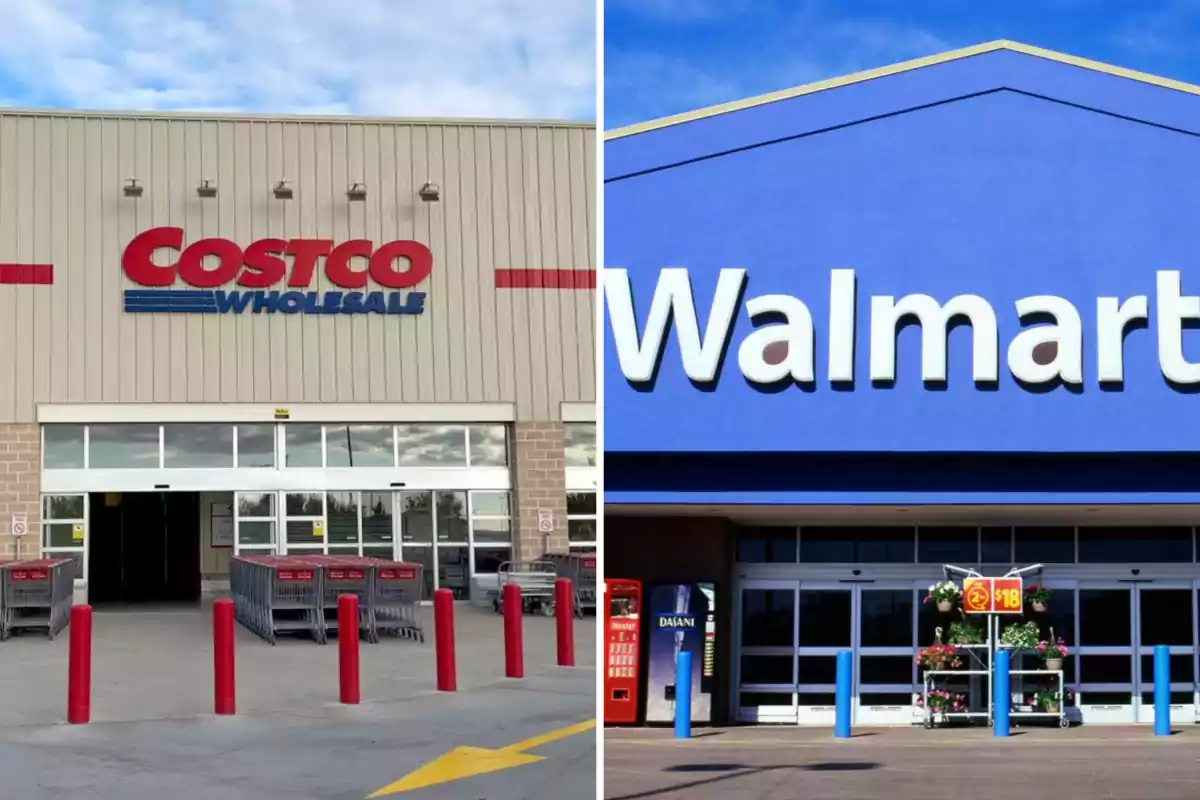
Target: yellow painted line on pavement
point(467, 762)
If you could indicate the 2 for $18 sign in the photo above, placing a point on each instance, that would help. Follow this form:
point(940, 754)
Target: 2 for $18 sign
point(993, 596)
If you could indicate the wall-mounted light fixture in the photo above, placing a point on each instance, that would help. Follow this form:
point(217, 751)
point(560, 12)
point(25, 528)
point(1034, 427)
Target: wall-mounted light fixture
point(357, 191)
point(132, 188)
point(282, 190)
point(206, 188)
point(429, 192)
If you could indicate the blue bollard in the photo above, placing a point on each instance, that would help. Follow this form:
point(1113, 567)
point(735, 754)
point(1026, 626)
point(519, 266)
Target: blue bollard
point(841, 714)
point(1001, 694)
point(683, 695)
point(1162, 691)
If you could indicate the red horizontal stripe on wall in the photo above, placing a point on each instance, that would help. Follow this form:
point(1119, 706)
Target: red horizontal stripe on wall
point(546, 278)
point(41, 274)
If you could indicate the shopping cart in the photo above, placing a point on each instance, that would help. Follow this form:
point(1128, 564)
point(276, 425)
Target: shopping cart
point(536, 579)
point(277, 594)
point(395, 595)
point(36, 594)
point(581, 570)
point(344, 575)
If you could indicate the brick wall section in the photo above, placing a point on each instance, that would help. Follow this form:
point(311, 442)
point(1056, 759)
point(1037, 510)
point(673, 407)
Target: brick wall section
point(20, 466)
point(540, 475)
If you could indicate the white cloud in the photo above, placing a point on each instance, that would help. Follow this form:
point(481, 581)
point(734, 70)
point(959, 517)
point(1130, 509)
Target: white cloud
point(457, 58)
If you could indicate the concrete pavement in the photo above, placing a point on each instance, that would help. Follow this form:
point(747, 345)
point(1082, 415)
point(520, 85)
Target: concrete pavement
point(153, 734)
point(762, 763)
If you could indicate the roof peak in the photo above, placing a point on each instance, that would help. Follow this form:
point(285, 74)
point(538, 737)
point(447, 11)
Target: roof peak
point(894, 69)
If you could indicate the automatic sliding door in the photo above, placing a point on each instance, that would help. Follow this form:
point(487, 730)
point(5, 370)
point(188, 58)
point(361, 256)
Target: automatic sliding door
point(767, 653)
point(884, 669)
point(1105, 658)
point(1165, 616)
point(825, 627)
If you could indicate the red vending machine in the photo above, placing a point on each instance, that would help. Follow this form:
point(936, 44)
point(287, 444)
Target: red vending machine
point(622, 607)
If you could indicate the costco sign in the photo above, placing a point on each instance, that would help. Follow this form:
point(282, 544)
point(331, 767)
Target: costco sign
point(273, 275)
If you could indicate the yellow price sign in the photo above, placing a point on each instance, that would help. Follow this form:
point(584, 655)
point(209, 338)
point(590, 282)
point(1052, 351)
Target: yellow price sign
point(77, 532)
point(318, 528)
point(993, 596)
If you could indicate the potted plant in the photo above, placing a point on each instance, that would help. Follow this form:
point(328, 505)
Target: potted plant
point(1038, 597)
point(943, 702)
point(1052, 651)
point(938, 656)
point(946, 594)
point(1050, 700)
point(963, 632)
point(1023, 637)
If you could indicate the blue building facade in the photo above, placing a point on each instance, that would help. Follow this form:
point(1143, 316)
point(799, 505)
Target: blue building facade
point(940, 312)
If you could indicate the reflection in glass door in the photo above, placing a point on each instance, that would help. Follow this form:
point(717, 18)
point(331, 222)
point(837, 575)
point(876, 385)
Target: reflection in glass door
point(1165, 616)
point(767, 658)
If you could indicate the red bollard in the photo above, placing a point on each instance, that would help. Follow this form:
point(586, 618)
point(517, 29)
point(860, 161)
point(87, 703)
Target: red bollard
point(514, 650)
point(348, 649)
point(224, 691)
point(79, 667)
point(564, 610)
point(443, 633)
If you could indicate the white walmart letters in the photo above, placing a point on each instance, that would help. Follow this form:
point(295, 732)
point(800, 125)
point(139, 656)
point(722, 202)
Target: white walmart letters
point(1050, 351)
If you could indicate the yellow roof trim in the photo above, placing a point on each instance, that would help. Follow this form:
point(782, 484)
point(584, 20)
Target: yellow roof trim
point(894, 69)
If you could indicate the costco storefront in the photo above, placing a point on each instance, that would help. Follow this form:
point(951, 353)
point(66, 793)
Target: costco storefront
point(939, 313)
point(255, 335)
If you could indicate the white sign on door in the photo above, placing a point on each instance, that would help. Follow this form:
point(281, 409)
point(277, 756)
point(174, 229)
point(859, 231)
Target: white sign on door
point(20, 524)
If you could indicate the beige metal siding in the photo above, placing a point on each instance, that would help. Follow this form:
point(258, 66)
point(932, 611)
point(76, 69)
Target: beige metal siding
point(512, 196)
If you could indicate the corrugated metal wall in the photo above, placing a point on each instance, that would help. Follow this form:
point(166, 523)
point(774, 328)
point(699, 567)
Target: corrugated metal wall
point(512, 196)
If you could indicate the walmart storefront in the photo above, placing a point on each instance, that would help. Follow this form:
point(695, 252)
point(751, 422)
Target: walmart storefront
point(935, 313)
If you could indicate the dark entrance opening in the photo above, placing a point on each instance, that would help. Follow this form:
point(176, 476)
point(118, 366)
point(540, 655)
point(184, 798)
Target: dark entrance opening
point(145, 547)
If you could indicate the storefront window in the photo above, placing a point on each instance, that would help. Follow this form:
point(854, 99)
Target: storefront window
point(341, 514)
point(197, 446)
point(581, 521)
point(432, 445)
point(1045, 545)
point(256, 520)
point(359, 446)
point(377, 525)
point(63, 446)
point(1143, 545)
point(948, 545)
point(767, 545)
point(491, 530)
point(416, 517)
point(63, 521)
point(302, 445)
point(579, 440)
point(858, 545)
point(452, 517)
point(489, 445)
point(255, 446)
point(123, 446)
point(305, 520)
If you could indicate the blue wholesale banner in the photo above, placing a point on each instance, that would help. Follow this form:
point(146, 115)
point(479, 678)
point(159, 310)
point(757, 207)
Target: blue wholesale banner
point(682, 618)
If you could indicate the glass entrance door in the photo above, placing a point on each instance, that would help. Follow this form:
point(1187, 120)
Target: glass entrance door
point(767, 658)
point(1105, 658)
point(825, 626)
point(884, 671)
point(791, 633)
point(1166, 615)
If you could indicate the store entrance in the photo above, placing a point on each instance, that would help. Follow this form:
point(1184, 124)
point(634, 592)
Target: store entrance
point(144, 547)
point(791, 632)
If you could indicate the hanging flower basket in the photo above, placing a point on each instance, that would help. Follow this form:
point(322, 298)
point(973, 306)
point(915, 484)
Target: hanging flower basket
point(1038, 597)
point(945, 595)
point(1052, 651)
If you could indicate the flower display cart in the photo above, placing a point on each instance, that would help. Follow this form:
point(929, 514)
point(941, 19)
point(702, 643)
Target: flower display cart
point(943, 698)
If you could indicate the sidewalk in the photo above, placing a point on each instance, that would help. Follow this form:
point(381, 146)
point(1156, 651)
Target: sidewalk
point(158, 664)
point(777, 763)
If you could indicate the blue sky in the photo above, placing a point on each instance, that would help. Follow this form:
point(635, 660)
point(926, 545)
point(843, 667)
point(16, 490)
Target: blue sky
point(667, 56)
point(430, 58)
